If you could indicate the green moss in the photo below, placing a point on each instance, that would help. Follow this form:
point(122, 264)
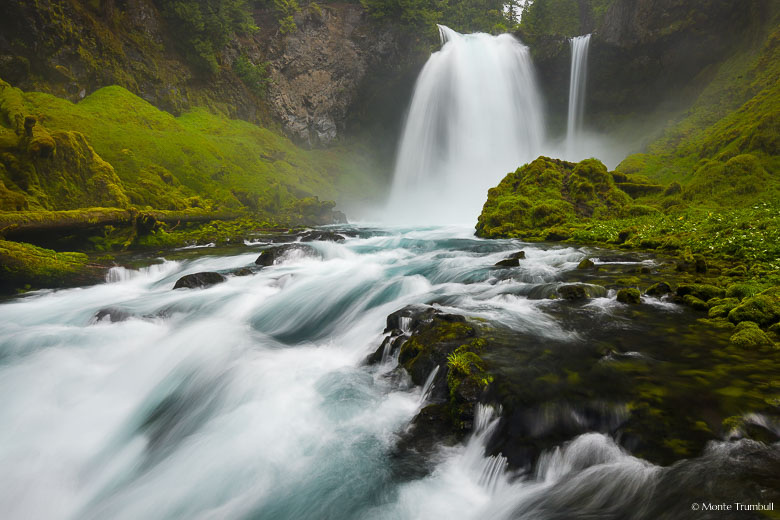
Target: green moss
point(24, 265)
point(546, 196)
point(160, 161)
point(764, 309)
point(749, 335)
point(704, 292)
point(631, 296)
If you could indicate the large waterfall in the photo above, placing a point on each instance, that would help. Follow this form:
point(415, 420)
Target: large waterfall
point(476, 114)
point(577, 82)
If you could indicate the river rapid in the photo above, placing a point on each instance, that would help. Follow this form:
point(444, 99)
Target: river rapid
point(251, 399)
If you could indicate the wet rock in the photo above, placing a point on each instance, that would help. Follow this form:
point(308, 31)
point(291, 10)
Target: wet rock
point(244, 271)
point(508, 262)
point(322, 236)
point(512, 260)
point(575, 292)
point(275, 254)
point(193, 281)
point(658, 289)
point(112, 314)
point(586, 263)
point(630, 296)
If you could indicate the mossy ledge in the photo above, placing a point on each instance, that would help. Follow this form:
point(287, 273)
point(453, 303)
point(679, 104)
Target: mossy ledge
point(26, 266)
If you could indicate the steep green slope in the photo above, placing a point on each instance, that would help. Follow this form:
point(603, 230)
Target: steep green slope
point(149, 158)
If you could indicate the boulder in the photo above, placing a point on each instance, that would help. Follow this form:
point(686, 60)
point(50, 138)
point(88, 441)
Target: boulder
point(275, 254)
point(322, 236)
point(628, 296)
point(749, 335)
point(193, 281)
point(586, 263)
point(658, 289)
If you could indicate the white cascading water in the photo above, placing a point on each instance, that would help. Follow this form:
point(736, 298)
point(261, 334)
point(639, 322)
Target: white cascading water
point(476, 114)
point(577, 82)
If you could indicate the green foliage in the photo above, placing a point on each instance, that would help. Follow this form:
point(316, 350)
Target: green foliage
point(127, 152)
point(461, 15)
point(26, 265)
point(561, 18)
point(549, 193)
point(254, 76)
point(285, 10)
point(204, 27)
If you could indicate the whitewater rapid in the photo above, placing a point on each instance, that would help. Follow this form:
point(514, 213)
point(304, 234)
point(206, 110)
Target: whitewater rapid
point(251, 400)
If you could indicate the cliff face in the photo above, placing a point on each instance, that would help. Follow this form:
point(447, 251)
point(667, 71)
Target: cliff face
point(318, 72)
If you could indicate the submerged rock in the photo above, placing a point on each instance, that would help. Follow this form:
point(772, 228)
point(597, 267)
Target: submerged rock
point(275, 254)
point(113, 314)
point(193, 281)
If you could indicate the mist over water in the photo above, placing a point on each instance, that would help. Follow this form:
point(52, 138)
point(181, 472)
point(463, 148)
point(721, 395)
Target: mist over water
point(478, 113)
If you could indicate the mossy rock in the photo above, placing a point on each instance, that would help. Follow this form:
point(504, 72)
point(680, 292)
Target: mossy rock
point(658, 289)
point(630, 296)
point(694, 302)
point(25, 265)
point(703, 292)
point(763, 308)
point(749, 335)
point(721, 307)
point(586, 263)
point(546, 196)
point(741, 290)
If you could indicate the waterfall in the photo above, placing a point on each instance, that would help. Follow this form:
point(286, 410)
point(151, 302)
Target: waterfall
point(577, 82)
point(476, 115)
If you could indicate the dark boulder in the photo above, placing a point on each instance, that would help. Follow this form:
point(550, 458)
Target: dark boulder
point(512, 260)
point(274, 254)
point(322, 236)
point(193, 281)
point(658, 289)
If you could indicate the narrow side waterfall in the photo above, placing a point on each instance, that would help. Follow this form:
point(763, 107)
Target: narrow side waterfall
point(577, 82)
point(476, 114)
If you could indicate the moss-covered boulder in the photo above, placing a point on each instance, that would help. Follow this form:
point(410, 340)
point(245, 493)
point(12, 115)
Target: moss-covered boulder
point(24, 266)
point(763, 308)
point(545, 195)
point(701, 291)
point(749, 335)
point(658, 289)
point(586, 263)
point(630, 296)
